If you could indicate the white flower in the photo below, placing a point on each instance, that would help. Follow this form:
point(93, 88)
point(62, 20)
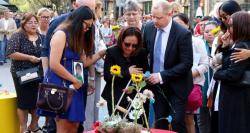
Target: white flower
point(149, 94)
point(137, 103)
point(101, 103)
point(135, 114)
point(142, 97)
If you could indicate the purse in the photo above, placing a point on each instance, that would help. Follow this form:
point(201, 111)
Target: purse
point(54, 98)
point(194, 99)
point(29, 75)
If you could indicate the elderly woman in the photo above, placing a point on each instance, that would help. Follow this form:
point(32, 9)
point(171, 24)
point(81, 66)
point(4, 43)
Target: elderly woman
point(132, 14)
point(44, 16)
point(24, 49)
point(131, 57)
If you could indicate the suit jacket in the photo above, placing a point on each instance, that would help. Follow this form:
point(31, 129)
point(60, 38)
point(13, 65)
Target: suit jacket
point(114, 57)
point(177, 75)
point(11, 28)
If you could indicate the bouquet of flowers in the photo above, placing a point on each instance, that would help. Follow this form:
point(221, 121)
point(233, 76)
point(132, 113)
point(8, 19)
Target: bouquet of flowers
point(115, 123)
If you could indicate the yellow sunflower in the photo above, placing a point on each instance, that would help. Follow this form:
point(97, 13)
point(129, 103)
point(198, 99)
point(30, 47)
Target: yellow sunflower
point(115, 70)
point(136, 78)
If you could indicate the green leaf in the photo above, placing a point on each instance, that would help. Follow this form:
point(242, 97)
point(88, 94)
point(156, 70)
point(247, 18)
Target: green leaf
point(142, 84)
point(130, 88)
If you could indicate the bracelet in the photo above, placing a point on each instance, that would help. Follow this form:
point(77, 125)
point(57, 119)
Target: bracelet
point(91, 78)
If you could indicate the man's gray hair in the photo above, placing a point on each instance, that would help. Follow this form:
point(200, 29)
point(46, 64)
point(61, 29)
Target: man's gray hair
point(163, 5)
point(132, 5)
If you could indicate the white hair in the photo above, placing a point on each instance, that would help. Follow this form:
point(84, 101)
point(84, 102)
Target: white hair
point(163, 5)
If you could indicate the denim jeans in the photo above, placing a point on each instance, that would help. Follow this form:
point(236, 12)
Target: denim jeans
point(3, 45)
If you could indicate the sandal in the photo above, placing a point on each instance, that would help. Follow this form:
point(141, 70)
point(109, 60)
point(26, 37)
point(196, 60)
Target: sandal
point(37, 130)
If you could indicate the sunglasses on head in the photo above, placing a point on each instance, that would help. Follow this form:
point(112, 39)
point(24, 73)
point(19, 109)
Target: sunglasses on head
point(130, 45)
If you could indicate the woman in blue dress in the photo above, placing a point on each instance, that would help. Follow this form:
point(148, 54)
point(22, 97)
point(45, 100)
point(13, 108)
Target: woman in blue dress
point(72, 40)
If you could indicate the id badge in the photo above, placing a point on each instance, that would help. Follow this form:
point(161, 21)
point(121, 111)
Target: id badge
point(78, 70)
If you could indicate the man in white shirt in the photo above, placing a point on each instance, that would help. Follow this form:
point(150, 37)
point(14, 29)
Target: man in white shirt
point(7, 27)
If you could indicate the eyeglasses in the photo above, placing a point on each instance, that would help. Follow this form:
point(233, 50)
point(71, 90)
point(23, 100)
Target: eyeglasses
point(45, 17)
point(128, 45)
point(32, 22)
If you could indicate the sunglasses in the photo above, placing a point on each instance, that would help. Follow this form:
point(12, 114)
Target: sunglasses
point(130, 45)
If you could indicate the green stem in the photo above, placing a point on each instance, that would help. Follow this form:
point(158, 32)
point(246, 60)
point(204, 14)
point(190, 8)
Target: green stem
point(112, 93)
point(145, 117)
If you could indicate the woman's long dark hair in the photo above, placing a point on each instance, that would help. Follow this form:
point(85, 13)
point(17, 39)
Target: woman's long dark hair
point(229, 7)
point(130, 31)
point(78, 39)
point(241, 26)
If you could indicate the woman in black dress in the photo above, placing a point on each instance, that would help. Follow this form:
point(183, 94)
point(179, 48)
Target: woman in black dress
point(24, 49)
point(234, 102)
point(131, 57)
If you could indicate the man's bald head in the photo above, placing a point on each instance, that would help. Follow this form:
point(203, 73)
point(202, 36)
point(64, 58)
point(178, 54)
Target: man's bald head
point(89, 3)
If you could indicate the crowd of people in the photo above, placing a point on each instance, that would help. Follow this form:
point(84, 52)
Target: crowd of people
point(78, 48)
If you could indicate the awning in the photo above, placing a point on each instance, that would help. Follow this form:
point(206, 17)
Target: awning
point(2, 2)
point(8, 6)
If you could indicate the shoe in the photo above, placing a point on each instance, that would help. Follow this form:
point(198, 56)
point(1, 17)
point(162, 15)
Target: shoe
point(1, 63)
point(37, 130)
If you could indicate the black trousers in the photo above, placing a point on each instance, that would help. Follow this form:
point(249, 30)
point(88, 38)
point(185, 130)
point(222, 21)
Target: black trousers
point(162, 110)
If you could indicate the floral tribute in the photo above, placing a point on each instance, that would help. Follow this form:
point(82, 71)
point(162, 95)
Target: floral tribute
point(119, 124)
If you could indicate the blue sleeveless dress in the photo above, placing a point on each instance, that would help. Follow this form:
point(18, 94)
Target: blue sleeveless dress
point(76, 111)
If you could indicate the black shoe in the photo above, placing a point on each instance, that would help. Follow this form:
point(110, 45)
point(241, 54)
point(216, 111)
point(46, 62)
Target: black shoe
point(1, 63)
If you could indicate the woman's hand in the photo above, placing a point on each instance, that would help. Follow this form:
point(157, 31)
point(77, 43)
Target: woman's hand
point(135, 70)
point(34, 59)
point(102, 53)
point(77, 84)
point(240, 54)
point(226, 39)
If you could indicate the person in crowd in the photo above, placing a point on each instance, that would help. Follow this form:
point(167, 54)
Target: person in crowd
point(7, 28)
point(132, 14)
point(176, 8)
point(94, 93)
point(234, 98)
point(203, 117)
point(200, 67)
point(131, 57)
point(107, 32)
point(199, 28)
point(24, 49)
point(67, 43)
point(171, 73)
point(89, 60)
point(44, 15)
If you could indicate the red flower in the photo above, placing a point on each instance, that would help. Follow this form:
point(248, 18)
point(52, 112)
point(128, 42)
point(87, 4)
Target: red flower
point(96, 125)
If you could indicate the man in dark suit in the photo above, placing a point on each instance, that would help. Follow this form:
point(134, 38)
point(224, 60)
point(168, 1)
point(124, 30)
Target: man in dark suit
point(170, 52)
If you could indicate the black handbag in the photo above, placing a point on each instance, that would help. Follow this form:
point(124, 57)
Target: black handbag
point(54, 98)
point(29, 75)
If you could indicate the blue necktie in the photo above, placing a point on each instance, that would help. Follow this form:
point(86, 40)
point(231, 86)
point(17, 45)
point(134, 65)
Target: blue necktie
point(157, 52)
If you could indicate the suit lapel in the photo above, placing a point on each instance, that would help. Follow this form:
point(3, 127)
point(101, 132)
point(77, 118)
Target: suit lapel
point(152, 37)
point(170, 41)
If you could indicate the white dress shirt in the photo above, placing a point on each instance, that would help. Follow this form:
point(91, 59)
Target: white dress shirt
point(165, 35)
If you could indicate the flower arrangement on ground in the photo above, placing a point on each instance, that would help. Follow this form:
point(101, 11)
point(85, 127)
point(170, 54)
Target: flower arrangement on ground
point(134, 110)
